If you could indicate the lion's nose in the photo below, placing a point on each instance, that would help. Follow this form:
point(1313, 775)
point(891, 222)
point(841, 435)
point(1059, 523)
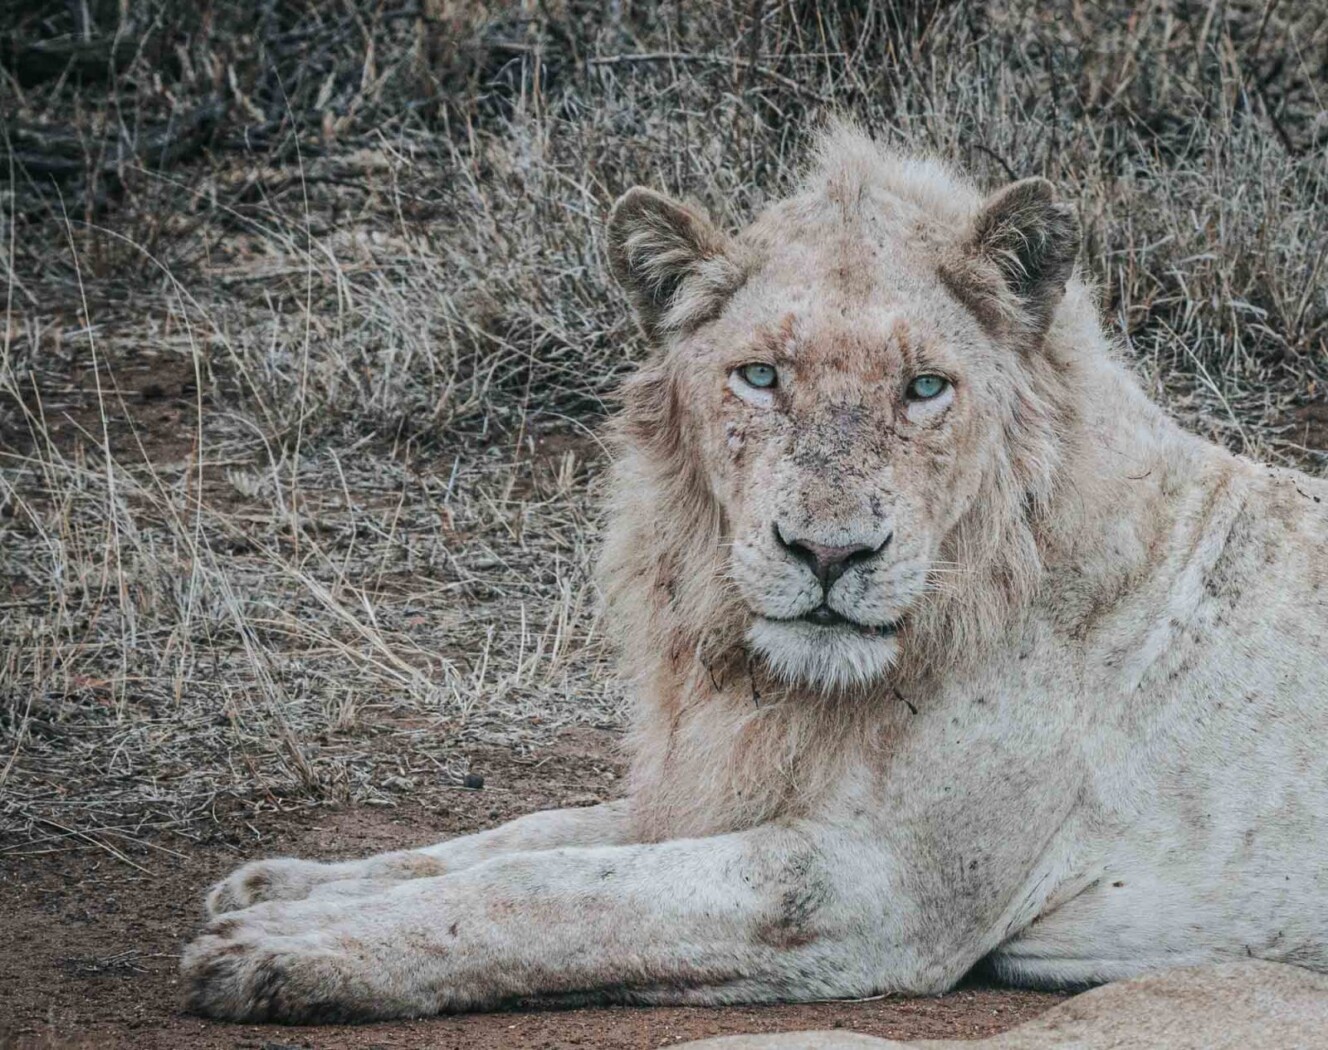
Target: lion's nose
point(828, 563)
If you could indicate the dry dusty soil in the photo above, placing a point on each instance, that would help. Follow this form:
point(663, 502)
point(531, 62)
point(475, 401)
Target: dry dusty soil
point(91, 944)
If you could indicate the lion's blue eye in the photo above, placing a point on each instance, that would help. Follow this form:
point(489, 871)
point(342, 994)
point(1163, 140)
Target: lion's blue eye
point(763, 377)
point(924, 388)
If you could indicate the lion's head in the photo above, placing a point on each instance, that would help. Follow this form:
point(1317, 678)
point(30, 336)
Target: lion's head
point(848, 407)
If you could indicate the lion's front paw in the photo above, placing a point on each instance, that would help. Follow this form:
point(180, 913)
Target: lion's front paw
point(238, 979)
point(280, 879)
point(270, 965)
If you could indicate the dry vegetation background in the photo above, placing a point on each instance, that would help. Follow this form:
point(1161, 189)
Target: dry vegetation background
point(307, 332)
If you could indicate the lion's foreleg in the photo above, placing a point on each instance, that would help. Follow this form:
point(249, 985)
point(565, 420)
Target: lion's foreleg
point(287, 878)
point(770, 913)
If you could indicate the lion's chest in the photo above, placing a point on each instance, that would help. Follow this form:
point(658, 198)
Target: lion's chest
point(727, 766)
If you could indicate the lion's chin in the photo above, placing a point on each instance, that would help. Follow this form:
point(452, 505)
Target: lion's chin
point(834, 657)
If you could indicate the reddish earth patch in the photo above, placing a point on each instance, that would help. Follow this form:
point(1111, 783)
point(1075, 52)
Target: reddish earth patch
point(91, 944)
point(1309, 425)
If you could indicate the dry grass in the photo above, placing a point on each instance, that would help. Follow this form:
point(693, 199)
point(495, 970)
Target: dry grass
point(307, 330)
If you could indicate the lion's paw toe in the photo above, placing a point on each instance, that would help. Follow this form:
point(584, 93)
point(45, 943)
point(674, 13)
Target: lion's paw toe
point(282, 879)
point(232, 975)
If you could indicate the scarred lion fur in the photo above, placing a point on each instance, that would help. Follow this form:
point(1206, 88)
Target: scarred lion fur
point(998, 666)
point(710, 755)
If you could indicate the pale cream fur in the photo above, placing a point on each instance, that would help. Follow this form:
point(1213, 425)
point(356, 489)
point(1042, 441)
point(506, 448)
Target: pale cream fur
point(1063, 709)
point(1230, 1006)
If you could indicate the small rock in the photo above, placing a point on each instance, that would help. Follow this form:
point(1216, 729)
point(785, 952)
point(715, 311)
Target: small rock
point(473, 781)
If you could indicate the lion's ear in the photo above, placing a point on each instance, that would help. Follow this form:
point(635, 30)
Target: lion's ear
point(1024, 242)
point(675, 266)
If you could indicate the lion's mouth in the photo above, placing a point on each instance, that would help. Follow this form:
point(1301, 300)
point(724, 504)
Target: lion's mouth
point(824, 616)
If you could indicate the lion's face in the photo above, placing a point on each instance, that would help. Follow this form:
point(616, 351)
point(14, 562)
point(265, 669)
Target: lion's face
point(844, 402)
point(842, 444)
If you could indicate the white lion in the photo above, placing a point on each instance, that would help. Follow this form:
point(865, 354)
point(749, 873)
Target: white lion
point(947, 646)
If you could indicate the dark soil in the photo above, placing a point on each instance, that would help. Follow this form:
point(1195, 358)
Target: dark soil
point(92, 943)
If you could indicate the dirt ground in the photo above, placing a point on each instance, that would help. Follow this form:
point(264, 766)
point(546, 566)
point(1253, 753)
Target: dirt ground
point(92, 943)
